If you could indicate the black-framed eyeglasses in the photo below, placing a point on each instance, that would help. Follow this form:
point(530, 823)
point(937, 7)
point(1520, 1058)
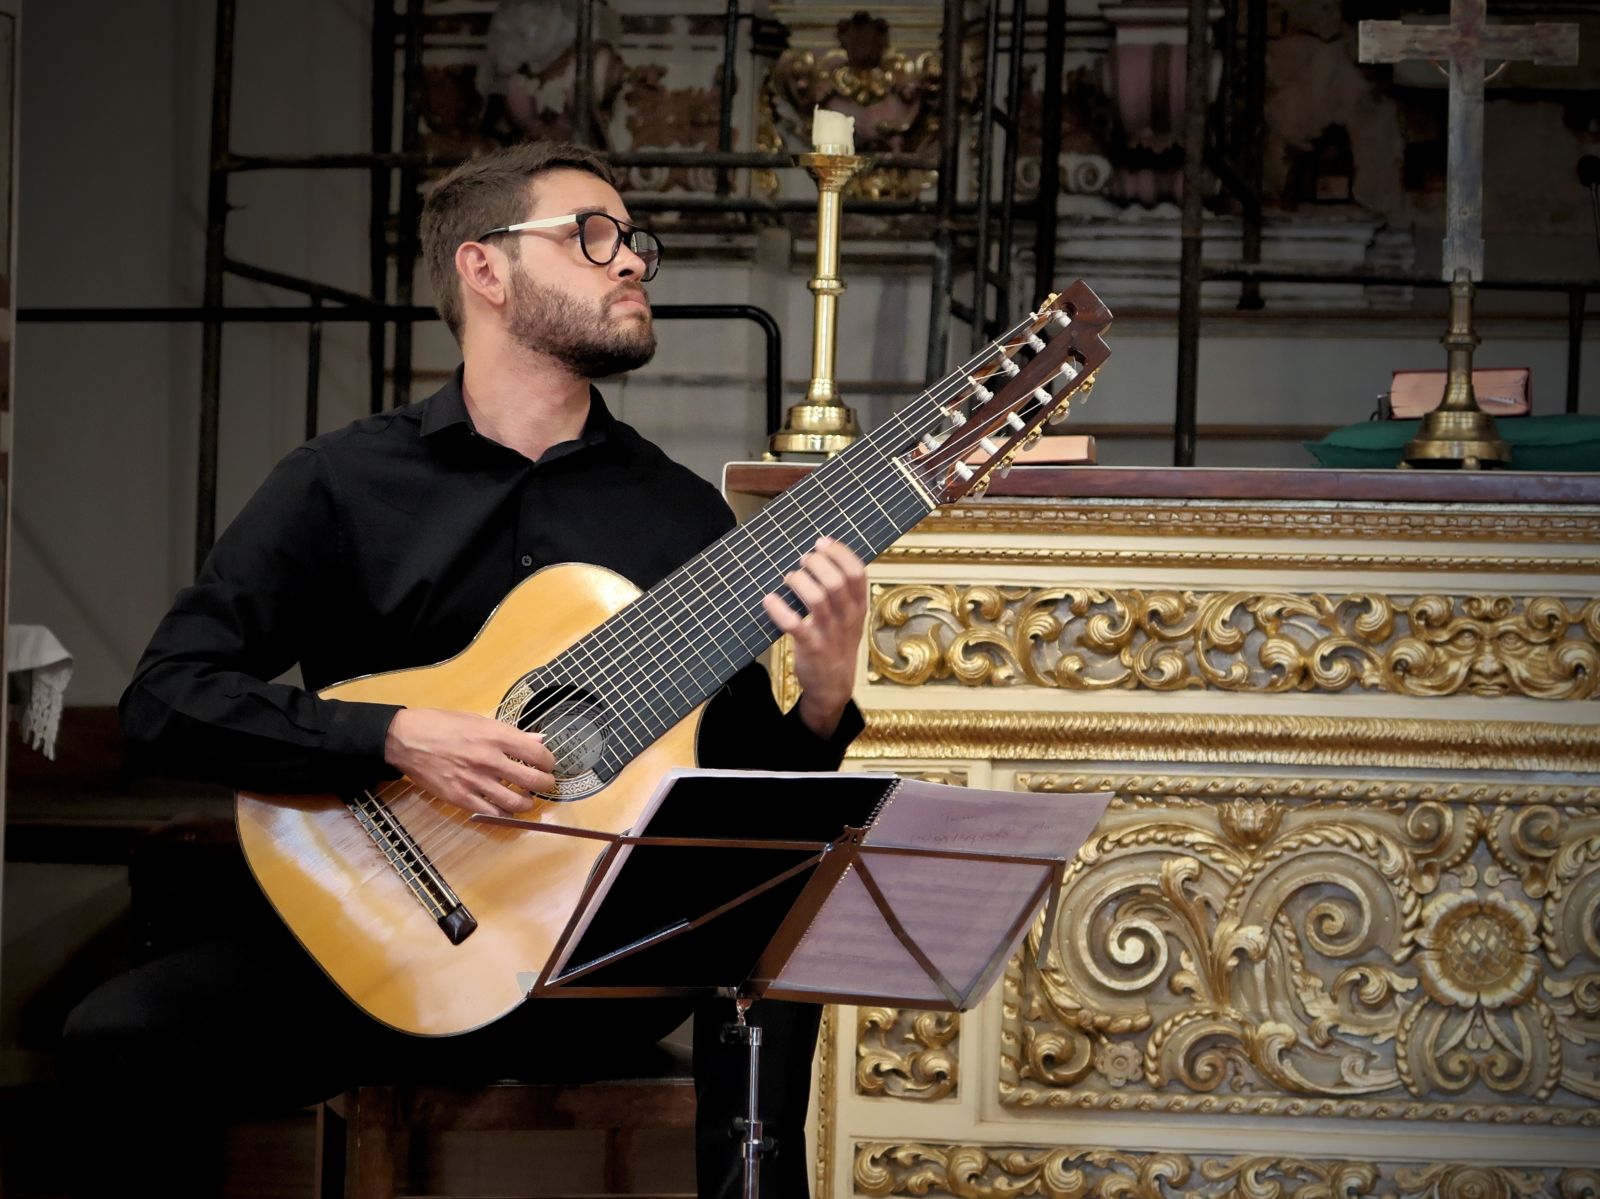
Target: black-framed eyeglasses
point(600, 236)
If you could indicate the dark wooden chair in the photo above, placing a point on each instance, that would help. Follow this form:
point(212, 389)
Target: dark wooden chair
point(368, 1139)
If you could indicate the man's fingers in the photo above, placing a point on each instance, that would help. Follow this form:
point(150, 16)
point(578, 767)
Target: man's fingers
point(526, 747)
point(809, 591)
point(522, 775)
point(474, 803)
point(781, 614)
point(824, 570)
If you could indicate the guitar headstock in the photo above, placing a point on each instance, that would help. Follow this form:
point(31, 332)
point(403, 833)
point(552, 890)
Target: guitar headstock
point(1039, 365)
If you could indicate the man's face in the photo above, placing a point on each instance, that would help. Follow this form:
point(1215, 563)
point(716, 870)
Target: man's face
point(593, 319)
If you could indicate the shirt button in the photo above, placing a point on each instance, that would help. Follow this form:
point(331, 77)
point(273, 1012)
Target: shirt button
point(527, 559)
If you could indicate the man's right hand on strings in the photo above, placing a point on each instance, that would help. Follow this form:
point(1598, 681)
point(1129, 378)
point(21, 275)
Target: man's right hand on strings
point(468, 760)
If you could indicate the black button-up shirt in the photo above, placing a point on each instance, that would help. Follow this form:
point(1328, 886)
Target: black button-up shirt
point(386, 545)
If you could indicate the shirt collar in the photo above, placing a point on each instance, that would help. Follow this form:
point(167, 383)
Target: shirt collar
point(446, 411)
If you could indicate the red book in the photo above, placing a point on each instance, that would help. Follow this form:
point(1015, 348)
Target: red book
point(1070, 449)
point(1501, 391)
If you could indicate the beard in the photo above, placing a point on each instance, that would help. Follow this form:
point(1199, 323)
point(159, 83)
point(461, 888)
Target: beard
point(583, 338)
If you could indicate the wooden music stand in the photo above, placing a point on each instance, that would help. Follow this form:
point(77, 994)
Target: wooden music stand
point(833, 888)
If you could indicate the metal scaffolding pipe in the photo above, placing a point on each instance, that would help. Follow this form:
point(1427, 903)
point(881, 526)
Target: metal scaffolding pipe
point(945, 204)
point(205, 517)
point(382, 140)
point(1194, 151)
point(730, 47)
point(405, 258)
point(430, 160)
point(1047, 222)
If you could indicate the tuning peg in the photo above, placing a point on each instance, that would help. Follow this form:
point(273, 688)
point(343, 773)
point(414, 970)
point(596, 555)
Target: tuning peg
point(1060, 319)
point(1068, 371)
point(1010, 367)
point(1006, 464)
point(1061, 413)
point(1015, 422)
point(979, 392)
point(962, 469)
point(930, 443)
point(1036, 343)
point(988, 446)
point(979, 488)
point(1031, 440)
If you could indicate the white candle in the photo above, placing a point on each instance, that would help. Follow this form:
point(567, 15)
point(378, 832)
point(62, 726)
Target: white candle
point(833, 132)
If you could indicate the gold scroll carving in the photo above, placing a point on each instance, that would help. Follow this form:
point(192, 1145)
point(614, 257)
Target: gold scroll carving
point(1001, 1172)
point(1367, 953)
point(1094, 639)
point(1071, 557)
point(945, 734)
point(906, 1054)
point(1500, 524)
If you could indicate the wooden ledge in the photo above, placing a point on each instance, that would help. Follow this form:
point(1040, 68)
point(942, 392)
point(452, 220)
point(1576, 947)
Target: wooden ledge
point(1216, 483)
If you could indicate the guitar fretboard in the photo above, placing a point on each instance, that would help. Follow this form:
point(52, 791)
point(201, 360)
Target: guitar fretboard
point(663, 655)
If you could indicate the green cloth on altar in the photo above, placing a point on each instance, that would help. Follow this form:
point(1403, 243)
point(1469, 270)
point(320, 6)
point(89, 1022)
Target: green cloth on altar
point(1560, 441)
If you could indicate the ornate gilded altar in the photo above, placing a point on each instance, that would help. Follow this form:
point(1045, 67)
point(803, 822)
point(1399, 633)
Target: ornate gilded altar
point(1339, 934)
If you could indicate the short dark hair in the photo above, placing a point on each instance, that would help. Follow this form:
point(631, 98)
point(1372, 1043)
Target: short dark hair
point(484, 193)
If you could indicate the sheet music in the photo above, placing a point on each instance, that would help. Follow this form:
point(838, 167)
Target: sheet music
point(957, 910)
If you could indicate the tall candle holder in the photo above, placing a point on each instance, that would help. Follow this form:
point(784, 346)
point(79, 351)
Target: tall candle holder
point(1458, 433)
point(822, 424)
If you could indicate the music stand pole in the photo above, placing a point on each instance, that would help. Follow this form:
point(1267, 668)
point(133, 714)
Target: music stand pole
point(750, 1036)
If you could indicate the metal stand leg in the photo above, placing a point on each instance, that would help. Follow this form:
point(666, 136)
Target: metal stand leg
point(749, 1128)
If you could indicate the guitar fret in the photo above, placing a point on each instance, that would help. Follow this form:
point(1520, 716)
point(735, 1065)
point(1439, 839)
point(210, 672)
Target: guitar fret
point(655, 661)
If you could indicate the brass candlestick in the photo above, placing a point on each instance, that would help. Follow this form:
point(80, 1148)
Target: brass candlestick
point(822, 424)
point(1458, 433)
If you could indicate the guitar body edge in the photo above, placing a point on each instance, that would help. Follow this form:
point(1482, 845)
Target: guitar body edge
point(351, 908)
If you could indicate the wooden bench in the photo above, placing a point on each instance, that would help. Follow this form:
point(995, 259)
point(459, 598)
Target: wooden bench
point(368, 1139)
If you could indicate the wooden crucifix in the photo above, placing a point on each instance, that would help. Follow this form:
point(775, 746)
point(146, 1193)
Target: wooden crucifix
point(1458, 433)
point(1467, 43)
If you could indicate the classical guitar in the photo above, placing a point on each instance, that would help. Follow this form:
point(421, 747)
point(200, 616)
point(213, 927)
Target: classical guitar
point(425, 918)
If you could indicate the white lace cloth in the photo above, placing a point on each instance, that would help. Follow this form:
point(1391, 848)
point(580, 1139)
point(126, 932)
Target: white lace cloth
point(39, 669)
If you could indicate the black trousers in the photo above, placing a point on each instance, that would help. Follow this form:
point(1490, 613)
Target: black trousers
point(156, 1061)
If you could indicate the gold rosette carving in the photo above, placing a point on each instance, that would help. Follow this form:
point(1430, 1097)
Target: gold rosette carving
point(906, 1054)
point(1319, 947)
point(1001, 1172)
point(1096, 639)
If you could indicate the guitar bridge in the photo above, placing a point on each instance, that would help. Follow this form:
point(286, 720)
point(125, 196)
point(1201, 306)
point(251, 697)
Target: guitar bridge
point(412, 864)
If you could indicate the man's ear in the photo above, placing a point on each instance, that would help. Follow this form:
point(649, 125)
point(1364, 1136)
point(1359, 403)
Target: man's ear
point(483, 270)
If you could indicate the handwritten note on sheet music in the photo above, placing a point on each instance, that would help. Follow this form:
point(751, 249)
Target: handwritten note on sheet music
point(965, 914)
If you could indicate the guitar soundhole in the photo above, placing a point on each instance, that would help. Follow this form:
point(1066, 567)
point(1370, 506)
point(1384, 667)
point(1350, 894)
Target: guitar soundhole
point(574, 726)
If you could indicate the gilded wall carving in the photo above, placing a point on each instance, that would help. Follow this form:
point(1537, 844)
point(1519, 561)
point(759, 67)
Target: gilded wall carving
point(945, 734)
point(1367, 952)
point(902, 1053)
point(991, 1172)
point(1067, 557)
point(1556, 524)
point(1095, 639)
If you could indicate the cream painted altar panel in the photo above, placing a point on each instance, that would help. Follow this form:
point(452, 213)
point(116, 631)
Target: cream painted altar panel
point(1340, 932)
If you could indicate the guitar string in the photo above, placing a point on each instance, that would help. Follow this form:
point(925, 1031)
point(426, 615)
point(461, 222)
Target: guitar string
point(963, 380)
point(673, 590)
point(960, 380)
point(848, 466)
point(680, 583)
point(956, 383)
